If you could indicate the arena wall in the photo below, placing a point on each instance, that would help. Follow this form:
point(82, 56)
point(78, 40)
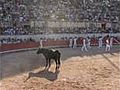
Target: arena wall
point(49, 42)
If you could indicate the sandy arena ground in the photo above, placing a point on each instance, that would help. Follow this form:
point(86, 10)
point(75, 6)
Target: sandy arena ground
point(93, 70)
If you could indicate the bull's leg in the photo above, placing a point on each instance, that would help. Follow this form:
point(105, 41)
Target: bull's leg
point(56, 64)
point(59, 63)
point(49, 63)
point(46, 64)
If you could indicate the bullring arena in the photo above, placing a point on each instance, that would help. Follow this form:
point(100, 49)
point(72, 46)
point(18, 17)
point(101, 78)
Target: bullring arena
point(86, 33)
point(92, 70)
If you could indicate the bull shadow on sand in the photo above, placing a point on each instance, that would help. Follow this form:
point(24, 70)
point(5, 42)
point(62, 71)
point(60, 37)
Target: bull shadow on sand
point(49, 75)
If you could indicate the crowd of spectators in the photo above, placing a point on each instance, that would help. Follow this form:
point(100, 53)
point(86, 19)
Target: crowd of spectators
point(82, 30)
point(15, 40)
point(13, 17)
point(76, 10)
point(15, 14)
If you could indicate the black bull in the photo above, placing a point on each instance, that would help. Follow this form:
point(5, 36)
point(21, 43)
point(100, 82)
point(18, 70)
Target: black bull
point(50, 54)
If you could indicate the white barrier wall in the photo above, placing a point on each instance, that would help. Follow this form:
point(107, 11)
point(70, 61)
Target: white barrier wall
point(56, 36)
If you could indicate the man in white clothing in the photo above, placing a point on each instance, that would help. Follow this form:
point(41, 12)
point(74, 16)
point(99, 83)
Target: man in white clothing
point(71, 42)
point(88, 42)
point(84, 45)
point(111, 41)
point(100, 43)
point(107, 48)
point(75, 42)
point(41, 43)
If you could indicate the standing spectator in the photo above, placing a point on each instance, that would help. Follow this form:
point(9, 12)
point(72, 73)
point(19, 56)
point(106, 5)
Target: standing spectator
point(75, 42)
point(88, 42)
point(41, 43)
point(84, 45)
point(107, 48)
point(111, 41)
point(71, 42)
point(100, 43)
